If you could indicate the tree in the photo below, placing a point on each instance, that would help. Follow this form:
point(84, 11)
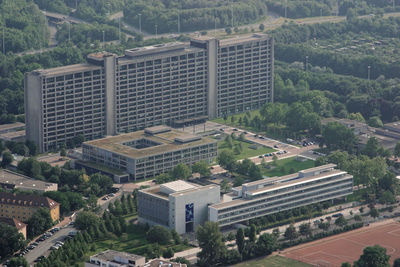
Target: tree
point(10, 240)
point(240, 240)
point(274, 160)
point(374, 256)
point(103, 181)
point(226, 160)
point(338, 136)
point(228, 141)
point(7, 159)
point(225, 186)
point(159, 234)
point(371, 149)
point(86, 219)
point(168, 253)
point(176, 237)
point(63, 152)
point(340, 221)
point(276, 233)
point(305, 229)
point(39, 222)
point(228, 31)
point(211, 244)
point(374, 213)
point(181, 171)
point(253, 233)
point(17, 262)
point(396, 262)
point(261, 27)
point(397, 150)
point(291, 232)
point(202, 168)
point(266, 244)
point(345, 264)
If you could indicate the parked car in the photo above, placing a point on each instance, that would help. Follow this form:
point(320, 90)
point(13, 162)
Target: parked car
point(337, 215)
point(234, 129)
point(276, 146)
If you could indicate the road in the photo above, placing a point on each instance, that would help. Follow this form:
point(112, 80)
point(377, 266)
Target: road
point(43, 248)
point(291, 150)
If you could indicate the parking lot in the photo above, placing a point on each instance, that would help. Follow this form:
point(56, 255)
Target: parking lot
point(44, 244)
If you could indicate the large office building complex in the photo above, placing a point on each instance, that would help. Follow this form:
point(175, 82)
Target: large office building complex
point(272, 195)
point(149, 152)
point(173, 83)
point(178, 205)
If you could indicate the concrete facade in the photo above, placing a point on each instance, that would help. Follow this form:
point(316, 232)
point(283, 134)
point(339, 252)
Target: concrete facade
point(272, 195)
point(178, 205)
point(148, 153)
point(112, 258)
point(172, 84)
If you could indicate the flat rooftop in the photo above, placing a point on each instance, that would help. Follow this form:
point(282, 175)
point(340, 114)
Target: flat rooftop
point(65, 70)
point(22, 181)
point(12, 135)
point(274, 183)
point(243, 39)
point(395, 125)
point(177, 186)
point(157, 190)
point(109, 255)
point(11, 126)
point(165, 143)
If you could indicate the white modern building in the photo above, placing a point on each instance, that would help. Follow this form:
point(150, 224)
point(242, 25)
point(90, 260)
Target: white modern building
point(272, 195)
point(177, 205)
point(112, 258)
point(174, 84)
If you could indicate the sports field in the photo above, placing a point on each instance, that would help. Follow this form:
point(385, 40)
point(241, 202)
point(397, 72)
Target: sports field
point(347, 247)
point(272, 261)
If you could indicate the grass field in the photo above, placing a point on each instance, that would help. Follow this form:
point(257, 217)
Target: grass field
point(285, 165)
point(133, 241)
point(272, 261)
point(247, 152)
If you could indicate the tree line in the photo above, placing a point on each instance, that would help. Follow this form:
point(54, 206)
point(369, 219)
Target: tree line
point(193, 15)
point(24, 26)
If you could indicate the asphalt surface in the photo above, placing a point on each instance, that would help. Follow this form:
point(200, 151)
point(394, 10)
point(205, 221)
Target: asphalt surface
point(44, 246)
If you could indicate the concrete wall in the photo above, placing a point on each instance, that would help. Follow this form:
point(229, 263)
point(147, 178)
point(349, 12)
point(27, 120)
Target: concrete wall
point(212, 78)
point(33, 109)
point(109, 73)
point(201, 198)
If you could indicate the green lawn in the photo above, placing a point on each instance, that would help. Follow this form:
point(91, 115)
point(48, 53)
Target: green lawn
point(287, 164)
point(133, 241)
point(273, 261)
point(247, 151)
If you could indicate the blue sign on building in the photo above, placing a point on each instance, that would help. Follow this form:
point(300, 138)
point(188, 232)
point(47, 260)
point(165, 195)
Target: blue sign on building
point(189, 212)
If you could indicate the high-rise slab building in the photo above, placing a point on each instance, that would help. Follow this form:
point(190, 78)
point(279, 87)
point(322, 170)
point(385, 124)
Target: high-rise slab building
point(174, 83)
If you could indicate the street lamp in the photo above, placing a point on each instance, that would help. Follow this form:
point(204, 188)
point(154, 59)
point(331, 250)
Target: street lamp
point(179, 23)
point(4, 48)
point(140, 23)
point(369, 72)
point(306, 63)
point(103, 38)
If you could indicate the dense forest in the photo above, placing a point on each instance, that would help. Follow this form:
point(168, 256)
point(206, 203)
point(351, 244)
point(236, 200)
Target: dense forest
point(194, 15)
point(23, 25)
